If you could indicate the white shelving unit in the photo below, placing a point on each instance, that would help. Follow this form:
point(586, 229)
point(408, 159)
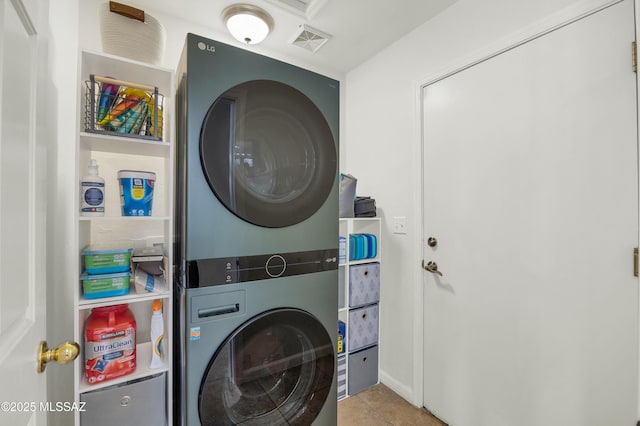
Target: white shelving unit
point(361, 372)
point(114, 153)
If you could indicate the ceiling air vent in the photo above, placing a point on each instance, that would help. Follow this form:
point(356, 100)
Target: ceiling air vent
point(309, 38)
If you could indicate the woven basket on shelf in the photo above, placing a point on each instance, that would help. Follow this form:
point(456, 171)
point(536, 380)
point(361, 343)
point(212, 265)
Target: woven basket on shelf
point(123, 36)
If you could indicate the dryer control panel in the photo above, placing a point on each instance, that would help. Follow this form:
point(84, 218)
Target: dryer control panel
point(229, 270)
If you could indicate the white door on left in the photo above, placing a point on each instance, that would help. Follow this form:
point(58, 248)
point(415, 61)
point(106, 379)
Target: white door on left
point(22, 220)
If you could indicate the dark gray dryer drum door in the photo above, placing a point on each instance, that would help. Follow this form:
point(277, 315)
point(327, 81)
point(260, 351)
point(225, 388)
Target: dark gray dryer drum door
point(275, 369)
point(268, 153)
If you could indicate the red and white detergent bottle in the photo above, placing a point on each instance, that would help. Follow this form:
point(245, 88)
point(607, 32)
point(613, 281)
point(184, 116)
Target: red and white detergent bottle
point(110, 343)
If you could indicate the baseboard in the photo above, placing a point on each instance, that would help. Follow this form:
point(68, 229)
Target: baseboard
point(400, 388)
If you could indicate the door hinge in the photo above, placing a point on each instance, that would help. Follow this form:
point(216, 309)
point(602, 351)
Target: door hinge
point(634, 56)
point(635, 262)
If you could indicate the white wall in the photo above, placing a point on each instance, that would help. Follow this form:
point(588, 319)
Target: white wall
point(382, 142)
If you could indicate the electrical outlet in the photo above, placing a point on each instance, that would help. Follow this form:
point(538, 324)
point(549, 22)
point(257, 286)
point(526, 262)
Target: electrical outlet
point(399, 225)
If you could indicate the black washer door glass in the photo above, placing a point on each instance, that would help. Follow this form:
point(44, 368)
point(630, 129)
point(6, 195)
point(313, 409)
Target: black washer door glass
point(276, 369)
point(268, 153)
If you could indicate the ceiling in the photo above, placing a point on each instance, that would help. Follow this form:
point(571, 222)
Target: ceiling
point(358, 28)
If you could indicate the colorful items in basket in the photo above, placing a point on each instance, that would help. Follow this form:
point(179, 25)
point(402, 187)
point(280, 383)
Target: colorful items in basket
point(152, 114)
point(128, 111)
point(107, 96)
point(125, 108)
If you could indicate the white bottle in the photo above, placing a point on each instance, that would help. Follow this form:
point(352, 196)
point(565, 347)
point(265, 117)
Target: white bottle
point(92, 192)
point(157, 334)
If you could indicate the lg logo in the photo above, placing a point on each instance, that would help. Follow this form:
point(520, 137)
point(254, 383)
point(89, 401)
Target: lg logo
point(204, 46)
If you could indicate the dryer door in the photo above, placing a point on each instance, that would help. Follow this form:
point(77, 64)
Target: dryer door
point(276, 369)
point(268, 153)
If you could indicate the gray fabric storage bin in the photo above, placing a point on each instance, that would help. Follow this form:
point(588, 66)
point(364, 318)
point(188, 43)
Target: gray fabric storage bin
point(364, 284)
point(139, 402)
point(363, 370)
point(341, 291)
point(363, 328)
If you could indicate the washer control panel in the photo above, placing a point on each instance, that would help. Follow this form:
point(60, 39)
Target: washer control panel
point(229, 270)
point(276, 265)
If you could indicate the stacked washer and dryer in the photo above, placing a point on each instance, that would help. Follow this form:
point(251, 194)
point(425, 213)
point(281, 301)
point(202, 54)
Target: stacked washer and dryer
point(256, 240)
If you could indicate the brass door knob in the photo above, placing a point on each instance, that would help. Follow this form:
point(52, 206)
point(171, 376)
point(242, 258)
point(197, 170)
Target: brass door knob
point(66, 352)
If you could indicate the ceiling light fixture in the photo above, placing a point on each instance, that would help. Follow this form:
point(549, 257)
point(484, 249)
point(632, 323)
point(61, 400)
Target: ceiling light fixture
point(246, 23)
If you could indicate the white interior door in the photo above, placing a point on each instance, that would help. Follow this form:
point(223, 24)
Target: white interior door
point(22, 219)
point(531, 190)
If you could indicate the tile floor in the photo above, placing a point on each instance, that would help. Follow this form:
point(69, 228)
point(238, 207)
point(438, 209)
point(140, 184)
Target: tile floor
point(380, 406)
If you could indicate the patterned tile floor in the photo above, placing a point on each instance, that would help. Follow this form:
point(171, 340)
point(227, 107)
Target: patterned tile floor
point(380, 406)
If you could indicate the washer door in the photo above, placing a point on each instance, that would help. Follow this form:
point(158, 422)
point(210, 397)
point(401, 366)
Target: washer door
point(268, 153)
point(276, 369)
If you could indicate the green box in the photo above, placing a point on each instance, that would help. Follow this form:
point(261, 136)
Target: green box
point(107, 261)
point(105, 285)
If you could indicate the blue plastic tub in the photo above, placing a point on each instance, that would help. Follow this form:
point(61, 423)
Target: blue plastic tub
point(136, 192)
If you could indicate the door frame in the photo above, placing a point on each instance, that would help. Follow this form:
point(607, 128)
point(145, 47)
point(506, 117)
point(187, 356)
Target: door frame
point(61, 66)
point(537, 29)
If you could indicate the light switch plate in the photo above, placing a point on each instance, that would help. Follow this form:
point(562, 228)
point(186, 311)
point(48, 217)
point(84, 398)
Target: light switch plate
point(400, 225)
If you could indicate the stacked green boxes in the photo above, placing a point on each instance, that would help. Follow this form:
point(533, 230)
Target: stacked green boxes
point(107, 273)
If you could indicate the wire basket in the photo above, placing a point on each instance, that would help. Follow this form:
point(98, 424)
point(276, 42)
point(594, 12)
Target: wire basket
point(122, 108)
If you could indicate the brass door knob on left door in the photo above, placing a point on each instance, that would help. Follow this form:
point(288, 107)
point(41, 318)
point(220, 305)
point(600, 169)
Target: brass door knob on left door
point(66, 352)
